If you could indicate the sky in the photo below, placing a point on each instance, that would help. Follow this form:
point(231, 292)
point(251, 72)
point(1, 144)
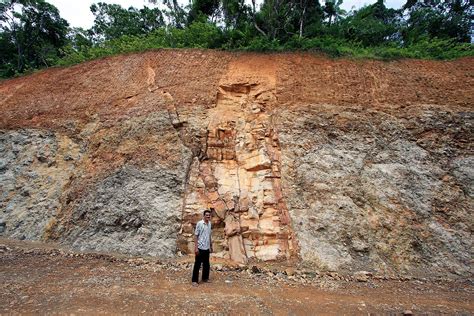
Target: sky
point(77, 12)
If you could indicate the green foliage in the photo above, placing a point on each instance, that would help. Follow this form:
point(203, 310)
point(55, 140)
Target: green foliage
point(439, 49)
point(207, 8)
point(31, 35)
point(262, 44)
point(371, 25)
point(197, 35)
point(332, 10)
point(236, 14)
point(112, 21)
point(437, 19)
point(280, 20)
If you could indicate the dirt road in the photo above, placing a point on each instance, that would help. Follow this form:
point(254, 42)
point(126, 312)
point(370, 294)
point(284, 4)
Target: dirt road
point(37, 278)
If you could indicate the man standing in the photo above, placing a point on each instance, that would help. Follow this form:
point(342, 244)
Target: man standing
point(202, 248)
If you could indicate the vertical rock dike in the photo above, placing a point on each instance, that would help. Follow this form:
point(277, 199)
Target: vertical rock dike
point(239, 177)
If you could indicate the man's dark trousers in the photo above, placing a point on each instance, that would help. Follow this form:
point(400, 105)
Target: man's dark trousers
point(201, 257)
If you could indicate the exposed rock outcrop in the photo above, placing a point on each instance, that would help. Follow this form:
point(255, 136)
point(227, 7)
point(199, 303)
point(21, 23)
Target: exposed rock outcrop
point(35, 168)
point(239, 178)
point(380, 188)
point(344, 165)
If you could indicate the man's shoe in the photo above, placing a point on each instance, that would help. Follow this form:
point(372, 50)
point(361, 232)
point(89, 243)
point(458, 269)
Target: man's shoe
point(206, 281)
point(195, 284)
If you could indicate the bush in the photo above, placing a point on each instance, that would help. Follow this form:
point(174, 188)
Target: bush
point(206, 35)
point(262, 44)
point(440, 49)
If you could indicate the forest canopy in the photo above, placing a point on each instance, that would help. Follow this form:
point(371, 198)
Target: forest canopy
point(33, 35)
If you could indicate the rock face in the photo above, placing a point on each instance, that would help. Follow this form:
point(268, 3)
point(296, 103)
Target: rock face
point(35, 167)
point(380, 188)
point(346, 166)
point(238, 176)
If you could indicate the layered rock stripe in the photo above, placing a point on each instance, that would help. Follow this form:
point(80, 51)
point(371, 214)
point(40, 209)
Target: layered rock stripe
point(344, 165)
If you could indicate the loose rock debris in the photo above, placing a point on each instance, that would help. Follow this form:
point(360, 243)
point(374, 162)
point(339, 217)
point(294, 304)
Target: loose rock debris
point(39, 278)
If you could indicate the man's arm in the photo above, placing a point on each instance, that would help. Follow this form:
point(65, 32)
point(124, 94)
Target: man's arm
point(210, 242)
point(210, 238)
point(196, 251)
point(196, 233)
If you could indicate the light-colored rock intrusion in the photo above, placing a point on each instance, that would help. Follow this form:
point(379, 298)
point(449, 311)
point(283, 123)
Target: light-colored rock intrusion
point(239, 178)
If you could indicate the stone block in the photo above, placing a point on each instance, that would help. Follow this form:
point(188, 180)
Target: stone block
point(214, 143)
point(188, 228)
point(232, 225)
point(247, 223)
point(220, 208)
point(213, 196)
point(249, 249)
point(182, 244)
point(229, 200)
point(272, 239)
point(192, 217)
point(275, 168)
point(265, 225)
point(253, 211)
point(270, 211)
point(267, 252)
point(244, 204)
point(267, 184)
point(228, 154)
point(210, 182)
point(199, 183)
point(269, 197)
point(362, 276)
point(236, 249)
point(255, 161)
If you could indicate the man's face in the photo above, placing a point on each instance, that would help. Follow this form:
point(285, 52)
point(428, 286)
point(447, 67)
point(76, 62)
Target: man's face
point(207, 217)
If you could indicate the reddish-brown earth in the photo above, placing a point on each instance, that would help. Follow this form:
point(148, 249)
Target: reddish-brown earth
point(117, 87)
point(42, 279)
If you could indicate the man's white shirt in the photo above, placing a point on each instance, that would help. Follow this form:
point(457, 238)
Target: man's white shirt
point(203, 234)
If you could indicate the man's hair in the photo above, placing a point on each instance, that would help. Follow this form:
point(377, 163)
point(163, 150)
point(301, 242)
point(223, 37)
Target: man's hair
point(206, 211)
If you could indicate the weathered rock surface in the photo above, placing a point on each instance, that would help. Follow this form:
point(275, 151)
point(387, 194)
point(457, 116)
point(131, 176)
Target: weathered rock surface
point(238, 176)
point(347, 166)
point(380, 188)
point(35, 167)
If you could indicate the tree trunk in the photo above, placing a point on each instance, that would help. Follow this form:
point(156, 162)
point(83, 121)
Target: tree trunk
point(302, 21)
point(254, 21)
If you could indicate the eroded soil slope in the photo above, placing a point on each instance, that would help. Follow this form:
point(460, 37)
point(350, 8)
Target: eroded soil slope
point(342, 165)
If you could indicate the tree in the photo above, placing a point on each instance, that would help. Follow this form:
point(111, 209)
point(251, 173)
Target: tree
point(112, 21)
point(236, 14)
point(175, 13)
point(282, 19)
point(32, 34)
point(273, 18)
point(372, 25)
point(203, 8)
point(333, 10)
point(80, 38)
point(437, 19)
point(309, 15)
